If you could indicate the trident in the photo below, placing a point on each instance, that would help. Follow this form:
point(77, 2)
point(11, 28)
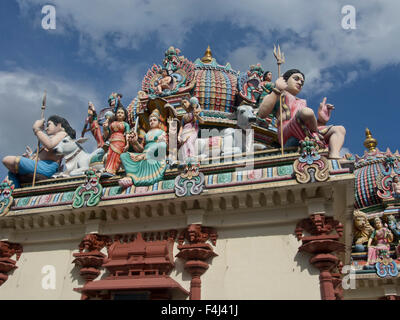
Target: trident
point(280, 59)
point(38, 147)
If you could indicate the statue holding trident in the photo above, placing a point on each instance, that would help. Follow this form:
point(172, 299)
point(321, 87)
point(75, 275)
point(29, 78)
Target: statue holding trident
point(45, 161)
point(296, 121)
point(280, 59)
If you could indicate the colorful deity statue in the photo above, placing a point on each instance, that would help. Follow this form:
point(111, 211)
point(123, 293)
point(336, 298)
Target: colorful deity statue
point(189, 129)
point(165, 82)
point(379, 243)
point(394, 226)
point(21, 167)
point(93, 124)
point(147, 163)
point(176, 75)
point(298, 120)
point(266, 85)
point(396, 187)
point(116, 132)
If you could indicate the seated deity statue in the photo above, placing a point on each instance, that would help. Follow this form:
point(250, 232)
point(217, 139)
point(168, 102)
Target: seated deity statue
point(164, 82)
point(147, 163)
point(396, 187)
point(298, 120)
point(379, 242)
point(48, 161)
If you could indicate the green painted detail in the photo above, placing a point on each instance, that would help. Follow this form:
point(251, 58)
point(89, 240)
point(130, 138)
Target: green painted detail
point(285, 170)
point(89, 193)
point(114, 191)
point(98, 158)
point(22, 202)
point(6, 199)
point(168, 184)
point(67, 196)
point(224, 177)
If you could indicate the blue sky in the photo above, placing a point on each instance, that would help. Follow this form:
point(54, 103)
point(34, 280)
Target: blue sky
point(103, 46)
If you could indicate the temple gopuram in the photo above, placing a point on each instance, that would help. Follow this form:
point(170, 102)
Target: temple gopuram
point(211, 184)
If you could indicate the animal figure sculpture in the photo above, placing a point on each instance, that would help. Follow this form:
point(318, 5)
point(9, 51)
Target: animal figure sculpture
point(231, 140)
point(77, 161)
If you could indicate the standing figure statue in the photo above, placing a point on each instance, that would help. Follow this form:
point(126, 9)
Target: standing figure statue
point(147, 165)
point(189, 129)
point(394, 226)
point(116, 133)
point(299, 121)
point(266, 85)
point(57, 129)
point(379, 242)
point(93, 124)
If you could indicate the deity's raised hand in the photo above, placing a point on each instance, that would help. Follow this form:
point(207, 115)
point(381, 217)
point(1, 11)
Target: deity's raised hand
point(324, 111)
point(39, 124)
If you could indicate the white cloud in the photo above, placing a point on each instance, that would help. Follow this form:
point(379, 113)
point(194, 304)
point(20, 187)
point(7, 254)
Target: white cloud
point(310, 31)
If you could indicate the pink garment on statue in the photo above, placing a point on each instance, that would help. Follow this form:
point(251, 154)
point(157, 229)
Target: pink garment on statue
point(291, 126)
point(189, 135)
point(382, 244)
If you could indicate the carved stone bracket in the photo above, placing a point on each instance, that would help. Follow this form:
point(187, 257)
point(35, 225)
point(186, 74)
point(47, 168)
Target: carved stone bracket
point(89, 193)
point(89, 258)
point(310, 166)
point(322, 244)
point(190, 182)
point(7, 250)
point(196, 253)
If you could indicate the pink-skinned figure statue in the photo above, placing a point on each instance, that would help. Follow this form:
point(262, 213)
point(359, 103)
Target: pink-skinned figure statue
point(298, 120)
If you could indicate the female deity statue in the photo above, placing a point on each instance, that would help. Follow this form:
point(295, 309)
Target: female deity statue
point(189, 128)
point(381, 237)
point(115, 133)
point(147, 165)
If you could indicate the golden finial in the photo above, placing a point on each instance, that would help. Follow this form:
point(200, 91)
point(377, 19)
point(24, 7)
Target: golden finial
point(207, 56)
point(369, 142)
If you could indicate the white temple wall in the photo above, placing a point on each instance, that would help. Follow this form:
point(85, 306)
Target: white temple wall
point(33, 279)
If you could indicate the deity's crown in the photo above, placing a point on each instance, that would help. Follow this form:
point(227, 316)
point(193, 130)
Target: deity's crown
point(156, 114)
